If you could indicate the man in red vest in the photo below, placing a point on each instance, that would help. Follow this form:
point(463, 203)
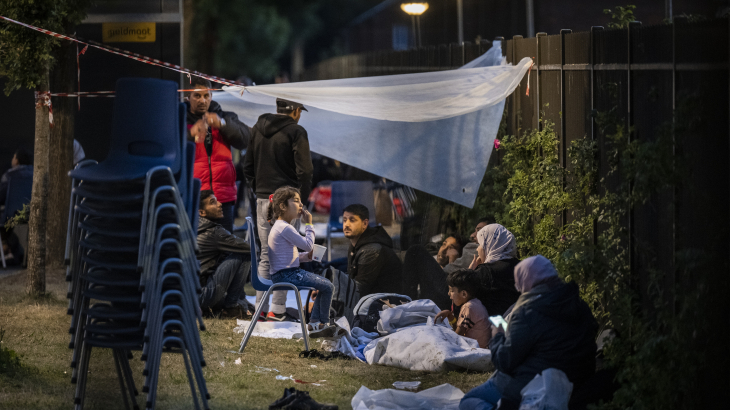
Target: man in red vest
point(215, 131)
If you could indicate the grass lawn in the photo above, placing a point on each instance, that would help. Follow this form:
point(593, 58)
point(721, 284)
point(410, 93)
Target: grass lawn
point(38, 330)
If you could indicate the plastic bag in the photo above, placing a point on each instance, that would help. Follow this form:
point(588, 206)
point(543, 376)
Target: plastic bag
point(549, 391)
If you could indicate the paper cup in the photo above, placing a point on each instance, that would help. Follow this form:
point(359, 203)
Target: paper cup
point(318, 252)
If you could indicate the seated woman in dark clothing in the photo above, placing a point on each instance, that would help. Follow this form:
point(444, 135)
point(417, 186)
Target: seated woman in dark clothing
point(494, 263)
point(550, 327)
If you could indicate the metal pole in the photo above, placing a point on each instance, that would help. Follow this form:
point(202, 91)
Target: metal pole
point(460, 18)
point(530, 18)
point(413, 25)
point(418, 25)
point(668, 12)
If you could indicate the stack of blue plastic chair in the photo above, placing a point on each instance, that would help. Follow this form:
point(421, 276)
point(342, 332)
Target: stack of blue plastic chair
point(131, 246)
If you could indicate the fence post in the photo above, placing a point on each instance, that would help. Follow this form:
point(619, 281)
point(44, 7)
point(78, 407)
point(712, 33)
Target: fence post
point(629, 124)
point(538, 61)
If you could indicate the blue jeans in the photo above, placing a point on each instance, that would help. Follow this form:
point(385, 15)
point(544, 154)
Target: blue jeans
point(300, 277)
point(484, 397)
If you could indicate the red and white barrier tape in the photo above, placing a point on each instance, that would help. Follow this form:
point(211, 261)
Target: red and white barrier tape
point(128, 54)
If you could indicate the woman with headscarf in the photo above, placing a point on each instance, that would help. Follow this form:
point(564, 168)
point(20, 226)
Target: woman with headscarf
point(550, 327)
point(494, 263)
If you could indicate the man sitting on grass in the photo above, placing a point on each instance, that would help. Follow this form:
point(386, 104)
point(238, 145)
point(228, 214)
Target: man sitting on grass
point(225, 261)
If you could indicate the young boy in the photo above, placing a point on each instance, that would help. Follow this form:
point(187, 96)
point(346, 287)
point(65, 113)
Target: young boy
point(473, 321)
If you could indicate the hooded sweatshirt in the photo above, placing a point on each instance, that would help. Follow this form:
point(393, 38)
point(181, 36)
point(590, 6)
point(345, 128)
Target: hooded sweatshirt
point(550, 327)
point(213, 162)
point(373, 264)
point(278, 156)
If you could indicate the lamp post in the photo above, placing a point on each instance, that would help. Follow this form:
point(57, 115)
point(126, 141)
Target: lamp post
point(460, 19)
point(415, 10)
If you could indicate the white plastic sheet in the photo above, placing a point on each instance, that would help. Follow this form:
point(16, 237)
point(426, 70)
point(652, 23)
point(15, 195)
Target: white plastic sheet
point(413, 313)
point(270, 330)
point(429, 348)
point(444, 396)
point(431, 131)
point(549, 391)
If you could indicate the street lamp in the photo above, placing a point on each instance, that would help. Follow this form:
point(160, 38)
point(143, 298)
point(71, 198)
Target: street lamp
point(415, 10)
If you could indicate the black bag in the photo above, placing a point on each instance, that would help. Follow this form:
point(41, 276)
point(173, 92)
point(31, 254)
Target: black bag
point(345, 296)
point(367, 310)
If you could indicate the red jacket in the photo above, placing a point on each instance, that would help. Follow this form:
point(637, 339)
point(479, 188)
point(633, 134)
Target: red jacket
point(220, 162)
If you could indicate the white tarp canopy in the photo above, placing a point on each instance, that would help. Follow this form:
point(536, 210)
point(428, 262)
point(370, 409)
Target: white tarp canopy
point(431, 131)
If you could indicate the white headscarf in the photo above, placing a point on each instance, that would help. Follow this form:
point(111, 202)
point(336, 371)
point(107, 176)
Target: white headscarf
point(498, 243)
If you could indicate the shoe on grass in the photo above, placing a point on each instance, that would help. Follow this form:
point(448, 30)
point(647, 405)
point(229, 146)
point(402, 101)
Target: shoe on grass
point(302, 401)
point(287, 398)
point(322, 331)
point(280, 317)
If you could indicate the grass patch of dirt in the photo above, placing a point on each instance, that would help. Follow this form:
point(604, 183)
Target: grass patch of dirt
point(37, 329)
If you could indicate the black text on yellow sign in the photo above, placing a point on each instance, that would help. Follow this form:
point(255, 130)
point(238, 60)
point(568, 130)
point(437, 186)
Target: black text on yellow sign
point(128, 32)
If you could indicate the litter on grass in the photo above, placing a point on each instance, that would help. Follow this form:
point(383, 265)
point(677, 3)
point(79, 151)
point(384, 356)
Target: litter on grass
point(412, 386)
point(238, 361)
point(317, 383)
point(445, 397)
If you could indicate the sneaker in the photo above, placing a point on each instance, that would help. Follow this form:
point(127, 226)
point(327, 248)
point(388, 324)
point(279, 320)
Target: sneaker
point(280, 317)
point(287, 398)
point(302, 401)
point(233, 312)
point(327, 331)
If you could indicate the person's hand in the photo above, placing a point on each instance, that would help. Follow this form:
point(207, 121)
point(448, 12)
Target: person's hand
point(444, 314)
point(213, 119)
point(452, 254)
point(475, 262)
point(198, 131)
point(309, 255)
point(496, 330)
point(306, 216)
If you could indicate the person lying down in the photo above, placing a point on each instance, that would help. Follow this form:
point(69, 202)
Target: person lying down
point(473, 320)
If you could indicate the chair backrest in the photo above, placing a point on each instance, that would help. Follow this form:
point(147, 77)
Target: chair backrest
point(257, 282)
point(20, 188)
point(146, 126)
point(346, 193)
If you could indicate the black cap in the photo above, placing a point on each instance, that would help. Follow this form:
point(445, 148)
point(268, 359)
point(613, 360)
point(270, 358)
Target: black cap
point(289, 105)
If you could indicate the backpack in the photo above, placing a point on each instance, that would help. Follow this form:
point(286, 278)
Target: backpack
point(345, 296)
point(367, 311)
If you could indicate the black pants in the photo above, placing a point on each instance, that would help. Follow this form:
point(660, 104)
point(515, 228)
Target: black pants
point(225, 286)
point(420, 270)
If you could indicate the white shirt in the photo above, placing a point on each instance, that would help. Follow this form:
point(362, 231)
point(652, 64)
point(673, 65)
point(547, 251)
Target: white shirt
point(283, 243)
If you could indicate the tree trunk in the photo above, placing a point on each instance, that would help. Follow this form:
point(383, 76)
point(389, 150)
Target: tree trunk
point(60, 152)
point(36, 284)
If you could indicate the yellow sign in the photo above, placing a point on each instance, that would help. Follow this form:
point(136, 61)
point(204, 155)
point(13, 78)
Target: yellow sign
point(128, 32)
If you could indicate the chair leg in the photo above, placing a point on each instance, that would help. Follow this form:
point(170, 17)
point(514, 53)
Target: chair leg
point(329, 245)
point(305, 335)
point(120, 376)
point(2, 254)
point(254, 320)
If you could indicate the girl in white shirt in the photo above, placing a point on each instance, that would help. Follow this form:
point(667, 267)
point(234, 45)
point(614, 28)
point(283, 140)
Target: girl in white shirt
point(286, 205)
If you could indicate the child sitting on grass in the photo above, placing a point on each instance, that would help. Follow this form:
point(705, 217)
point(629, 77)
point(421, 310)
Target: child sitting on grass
point(284, 258)
point(473, 321)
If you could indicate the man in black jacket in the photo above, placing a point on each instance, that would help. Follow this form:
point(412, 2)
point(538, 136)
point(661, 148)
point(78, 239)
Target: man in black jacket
point(371, 261)
point(225, 261)
point(277, 156)
point(215, 131)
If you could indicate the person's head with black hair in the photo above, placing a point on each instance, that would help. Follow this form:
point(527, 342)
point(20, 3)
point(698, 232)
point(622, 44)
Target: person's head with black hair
point(283, 203)
point(209, 207)
point(464, 285)
point(290, 108)
point(355, 219)
point(481, 223)
point(201, 95)
point(21, 157)
point(450, 249)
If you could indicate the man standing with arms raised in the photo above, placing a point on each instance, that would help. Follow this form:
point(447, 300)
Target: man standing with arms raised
point(277, 156)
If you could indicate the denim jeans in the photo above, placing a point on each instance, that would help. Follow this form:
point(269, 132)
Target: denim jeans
point(484, 397)
point(225, 286)
point(300, 277)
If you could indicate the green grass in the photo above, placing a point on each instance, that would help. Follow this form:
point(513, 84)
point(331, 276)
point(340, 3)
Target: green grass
point(38, 331)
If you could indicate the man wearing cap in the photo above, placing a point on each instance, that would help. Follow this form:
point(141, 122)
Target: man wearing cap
point(277, 156)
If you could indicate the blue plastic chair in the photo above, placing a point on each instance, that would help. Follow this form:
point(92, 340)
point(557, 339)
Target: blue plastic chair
point(145, 133)
point(345, 193)
point(266, 285)
point(20, 188)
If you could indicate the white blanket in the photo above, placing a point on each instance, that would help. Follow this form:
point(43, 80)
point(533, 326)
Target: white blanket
point(270, 330)
point(444, 396)
point(413, 313)
point(429, 348)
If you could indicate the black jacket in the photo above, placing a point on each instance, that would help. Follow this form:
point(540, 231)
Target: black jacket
point(215, 244)
point(234, 133)
point(498, 283)
point(373, 264)
point(278, 156)
point(550, 327)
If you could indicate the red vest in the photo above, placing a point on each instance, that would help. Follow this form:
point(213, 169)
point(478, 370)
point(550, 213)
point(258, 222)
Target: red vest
point(221, 163)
